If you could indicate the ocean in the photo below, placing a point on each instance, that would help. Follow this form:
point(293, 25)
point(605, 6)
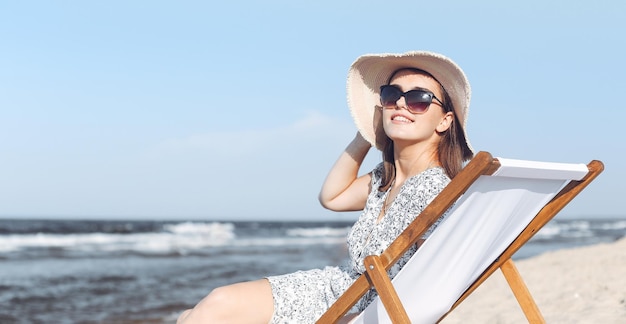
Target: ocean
point(93, 271)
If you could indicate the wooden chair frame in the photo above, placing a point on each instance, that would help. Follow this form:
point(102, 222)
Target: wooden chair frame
point(376, 266)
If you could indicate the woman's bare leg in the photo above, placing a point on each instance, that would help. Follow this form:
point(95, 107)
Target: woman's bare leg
point(246, 302)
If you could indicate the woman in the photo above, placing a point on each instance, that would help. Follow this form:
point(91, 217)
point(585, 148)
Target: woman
point(412, 107)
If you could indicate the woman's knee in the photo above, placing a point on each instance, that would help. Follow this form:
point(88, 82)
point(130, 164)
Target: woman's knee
point(220, 302)
point(249, 302)
point(205, 309)
point(219, 298)
point(182, 316)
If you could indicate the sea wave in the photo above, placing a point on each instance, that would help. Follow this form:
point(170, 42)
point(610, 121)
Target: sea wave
point(561, 230)
point(319, 232)
point(221, 231)
point(102, 239)
point(174, 239)
point(616, 225)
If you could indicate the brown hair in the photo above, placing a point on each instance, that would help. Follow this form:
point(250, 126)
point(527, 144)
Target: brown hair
point(450, 151)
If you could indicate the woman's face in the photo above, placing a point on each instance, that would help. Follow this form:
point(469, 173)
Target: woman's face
point(404, 127)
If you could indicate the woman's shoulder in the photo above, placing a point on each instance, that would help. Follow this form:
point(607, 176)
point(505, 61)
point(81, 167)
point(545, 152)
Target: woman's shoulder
point(377, 172)
point(377, 175)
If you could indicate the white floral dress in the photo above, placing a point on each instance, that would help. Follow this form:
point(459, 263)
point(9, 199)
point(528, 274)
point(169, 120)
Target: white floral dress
point(303, 296)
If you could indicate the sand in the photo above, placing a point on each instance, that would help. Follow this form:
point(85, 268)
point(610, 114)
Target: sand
point(580, 285)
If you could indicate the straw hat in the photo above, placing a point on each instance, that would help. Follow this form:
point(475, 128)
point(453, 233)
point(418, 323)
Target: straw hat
point(371, 71)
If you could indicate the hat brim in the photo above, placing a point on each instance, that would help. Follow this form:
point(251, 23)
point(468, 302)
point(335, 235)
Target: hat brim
point(370, 71)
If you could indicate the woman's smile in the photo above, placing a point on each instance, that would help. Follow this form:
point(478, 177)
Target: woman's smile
point(400, 119)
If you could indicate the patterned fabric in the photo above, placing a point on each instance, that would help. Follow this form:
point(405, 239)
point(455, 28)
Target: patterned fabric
point(303, 296)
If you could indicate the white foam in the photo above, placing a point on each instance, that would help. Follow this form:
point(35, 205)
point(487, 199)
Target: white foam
point(182, 238)
point(176, 238)
point(618, 225)
point(318, 232)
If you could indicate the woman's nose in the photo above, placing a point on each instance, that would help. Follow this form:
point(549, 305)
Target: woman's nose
point(401, 103)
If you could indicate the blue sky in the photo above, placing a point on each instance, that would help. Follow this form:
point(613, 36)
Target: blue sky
point(237, 109)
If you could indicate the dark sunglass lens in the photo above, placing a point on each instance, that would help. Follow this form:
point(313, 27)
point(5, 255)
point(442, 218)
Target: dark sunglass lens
point(418, 101)
point(389, 95)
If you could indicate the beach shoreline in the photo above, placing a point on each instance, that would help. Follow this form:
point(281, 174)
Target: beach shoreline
point(148, 271)
point(577, 285)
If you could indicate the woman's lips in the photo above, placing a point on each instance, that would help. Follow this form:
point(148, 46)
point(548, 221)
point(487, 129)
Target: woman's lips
point(401, 118)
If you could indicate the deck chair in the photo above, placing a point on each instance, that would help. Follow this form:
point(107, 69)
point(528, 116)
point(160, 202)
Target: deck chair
point(496, 205)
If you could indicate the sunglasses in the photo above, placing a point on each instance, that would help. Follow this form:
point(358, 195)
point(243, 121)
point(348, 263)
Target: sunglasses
point(417, 101)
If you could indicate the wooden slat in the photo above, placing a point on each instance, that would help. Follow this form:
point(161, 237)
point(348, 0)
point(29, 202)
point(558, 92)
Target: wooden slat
point(521, 292)
point(379, 278)
point(346, 301)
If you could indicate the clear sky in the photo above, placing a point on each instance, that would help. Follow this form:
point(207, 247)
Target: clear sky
point(237, 109)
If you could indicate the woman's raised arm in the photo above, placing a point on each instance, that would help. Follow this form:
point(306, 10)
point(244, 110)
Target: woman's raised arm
point(343, 189)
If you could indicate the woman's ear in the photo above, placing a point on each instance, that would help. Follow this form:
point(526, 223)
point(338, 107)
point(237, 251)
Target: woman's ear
point(445, 123)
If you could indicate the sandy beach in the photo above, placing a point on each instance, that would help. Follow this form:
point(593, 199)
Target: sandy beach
point(579, 285)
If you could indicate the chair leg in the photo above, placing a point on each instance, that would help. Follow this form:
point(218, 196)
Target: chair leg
point(378, 277)
point(521, 292)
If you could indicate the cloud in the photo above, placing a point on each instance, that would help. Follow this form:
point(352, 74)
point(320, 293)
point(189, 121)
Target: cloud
point(313, 126)
point(260, 173)
point(265, 173)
